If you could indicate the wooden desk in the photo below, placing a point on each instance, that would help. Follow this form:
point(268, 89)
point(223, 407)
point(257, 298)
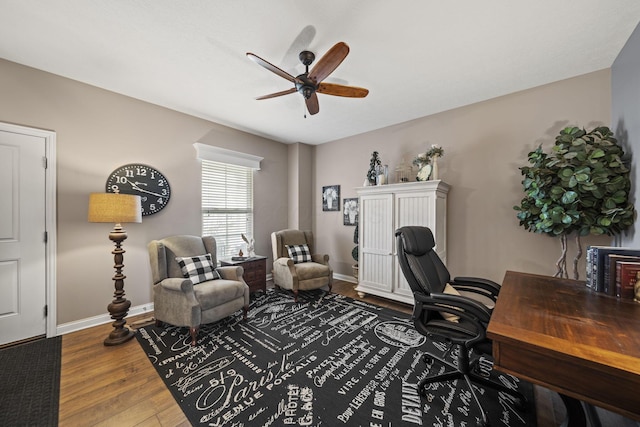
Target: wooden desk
point(559, 334)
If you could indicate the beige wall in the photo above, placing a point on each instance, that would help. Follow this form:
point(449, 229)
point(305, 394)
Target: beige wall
point(97, 131)
point(300, 197)
point(484, 145)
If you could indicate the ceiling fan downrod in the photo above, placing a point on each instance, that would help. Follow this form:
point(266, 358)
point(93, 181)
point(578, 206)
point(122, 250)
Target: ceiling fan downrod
point(304, 84)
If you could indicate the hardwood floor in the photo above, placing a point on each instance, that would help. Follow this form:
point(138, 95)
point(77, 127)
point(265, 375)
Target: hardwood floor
point(112, 386)
point(118, 386)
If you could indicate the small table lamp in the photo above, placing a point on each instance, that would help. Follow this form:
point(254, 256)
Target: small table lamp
point(116, 208)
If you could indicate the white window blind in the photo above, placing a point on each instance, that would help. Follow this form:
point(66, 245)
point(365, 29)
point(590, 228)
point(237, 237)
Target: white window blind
point(227, 205)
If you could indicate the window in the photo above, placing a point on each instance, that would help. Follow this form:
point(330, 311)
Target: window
point(227, 205)
point(227, 196)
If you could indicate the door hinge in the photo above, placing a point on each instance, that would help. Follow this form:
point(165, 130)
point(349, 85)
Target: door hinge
point(46, 236)
point(45, 163)
point(46, 310)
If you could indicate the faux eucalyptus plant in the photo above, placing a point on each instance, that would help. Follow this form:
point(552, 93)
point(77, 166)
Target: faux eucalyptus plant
point(354, 252)
point(371, 173)
point(581, 187)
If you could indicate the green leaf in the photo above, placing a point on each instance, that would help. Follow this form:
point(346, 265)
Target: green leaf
point(557, 190)
point(566, 173)
point(569, 197)
point(577, 142)
point(609, 203)
point(619, 197)
point(600, 180)
point(582, 177)
point(605, 222)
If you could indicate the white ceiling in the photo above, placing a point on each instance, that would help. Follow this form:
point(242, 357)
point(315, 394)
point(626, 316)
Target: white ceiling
point(416, 57)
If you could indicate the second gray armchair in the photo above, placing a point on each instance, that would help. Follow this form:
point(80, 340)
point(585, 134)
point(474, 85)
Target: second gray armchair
point(295, 264)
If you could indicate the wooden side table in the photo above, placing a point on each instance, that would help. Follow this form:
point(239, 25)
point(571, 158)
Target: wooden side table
point(255, 271)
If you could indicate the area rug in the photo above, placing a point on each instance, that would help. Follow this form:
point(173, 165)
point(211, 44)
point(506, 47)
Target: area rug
point(30, 383)
point(327, 360)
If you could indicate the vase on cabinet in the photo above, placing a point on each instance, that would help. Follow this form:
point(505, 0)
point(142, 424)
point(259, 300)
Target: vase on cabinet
point(435, 174)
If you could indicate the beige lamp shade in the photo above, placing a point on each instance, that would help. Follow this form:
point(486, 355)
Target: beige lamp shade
point(113, 207)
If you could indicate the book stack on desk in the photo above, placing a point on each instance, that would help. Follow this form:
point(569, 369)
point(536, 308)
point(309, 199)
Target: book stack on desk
point(612, 270)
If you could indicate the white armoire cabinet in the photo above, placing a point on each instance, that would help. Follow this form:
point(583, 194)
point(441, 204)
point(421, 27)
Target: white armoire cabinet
point(385, 208)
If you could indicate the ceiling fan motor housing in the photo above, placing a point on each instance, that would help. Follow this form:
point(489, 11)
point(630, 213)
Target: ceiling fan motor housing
point(305, 85)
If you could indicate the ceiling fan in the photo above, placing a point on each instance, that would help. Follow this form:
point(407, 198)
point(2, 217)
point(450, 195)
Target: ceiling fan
point(310, 83)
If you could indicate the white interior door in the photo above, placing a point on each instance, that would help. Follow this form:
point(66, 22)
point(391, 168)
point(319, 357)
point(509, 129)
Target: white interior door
point(23, 269)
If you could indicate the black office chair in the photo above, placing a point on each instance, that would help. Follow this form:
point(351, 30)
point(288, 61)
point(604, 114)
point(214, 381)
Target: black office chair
point(427, 276)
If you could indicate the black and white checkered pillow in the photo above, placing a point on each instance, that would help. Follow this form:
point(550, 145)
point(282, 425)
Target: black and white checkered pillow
point(299, 253)
point(198, 268)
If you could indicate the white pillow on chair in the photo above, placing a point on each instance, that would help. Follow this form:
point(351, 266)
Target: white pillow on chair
point(198, 268)
point(299, 253)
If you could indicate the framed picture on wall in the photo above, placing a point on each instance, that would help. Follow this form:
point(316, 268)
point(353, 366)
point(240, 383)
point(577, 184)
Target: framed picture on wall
point(350, 211)
point(331, 198)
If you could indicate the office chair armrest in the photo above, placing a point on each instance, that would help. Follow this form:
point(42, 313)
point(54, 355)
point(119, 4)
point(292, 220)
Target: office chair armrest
point(464, 307)
point(481, 286)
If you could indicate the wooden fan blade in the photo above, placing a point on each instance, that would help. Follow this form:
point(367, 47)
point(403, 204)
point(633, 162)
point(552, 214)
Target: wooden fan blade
point(342, 90)
point(273, 95)
point(269, 66)
point(329, 62)
point(312, 104)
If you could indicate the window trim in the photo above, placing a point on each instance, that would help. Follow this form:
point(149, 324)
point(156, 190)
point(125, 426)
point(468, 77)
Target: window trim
point(223, 155)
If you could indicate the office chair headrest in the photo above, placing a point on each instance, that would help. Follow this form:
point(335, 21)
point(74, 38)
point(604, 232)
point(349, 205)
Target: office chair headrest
point(416, 240)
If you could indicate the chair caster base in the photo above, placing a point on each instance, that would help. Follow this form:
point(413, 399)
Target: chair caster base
point(427, 359)
point(520, 405)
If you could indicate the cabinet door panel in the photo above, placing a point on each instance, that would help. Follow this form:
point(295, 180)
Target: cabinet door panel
point(416, 208)
point(377, 272)
point(376, 241)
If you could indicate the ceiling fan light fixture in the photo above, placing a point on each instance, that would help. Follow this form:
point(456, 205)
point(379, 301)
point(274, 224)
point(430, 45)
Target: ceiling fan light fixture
point(307, 91)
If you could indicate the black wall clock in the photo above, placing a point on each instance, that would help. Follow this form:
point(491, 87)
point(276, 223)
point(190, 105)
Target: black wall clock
point(144, 181)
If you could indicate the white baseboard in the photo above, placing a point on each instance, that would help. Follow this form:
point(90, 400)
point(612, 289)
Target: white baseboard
point(89, 322)
point(344, 277)
point(78, 325)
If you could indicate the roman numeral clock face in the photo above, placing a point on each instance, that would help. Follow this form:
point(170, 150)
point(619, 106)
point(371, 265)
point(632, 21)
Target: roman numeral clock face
point(144, 181)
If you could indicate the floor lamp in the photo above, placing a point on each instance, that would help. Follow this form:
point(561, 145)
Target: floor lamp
point(116, 208)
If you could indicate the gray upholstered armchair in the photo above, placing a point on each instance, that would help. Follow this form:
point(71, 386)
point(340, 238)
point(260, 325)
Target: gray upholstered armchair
point(309, 271)
point(218, 292)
